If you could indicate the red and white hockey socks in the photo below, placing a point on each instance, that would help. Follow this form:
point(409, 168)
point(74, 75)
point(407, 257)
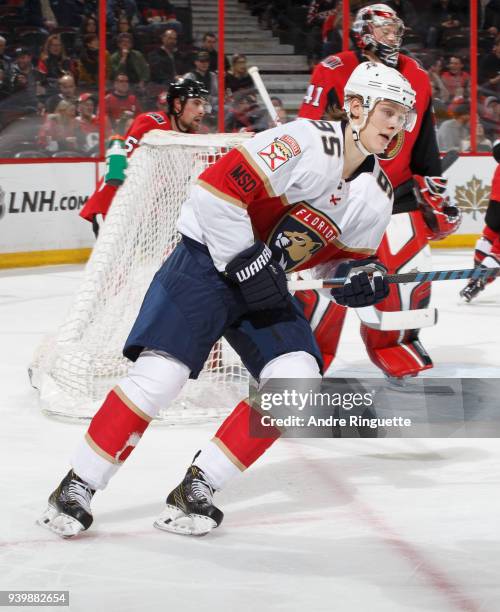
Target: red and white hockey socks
point(487, 247)
point(152, 383)
point(239, 442)
point(233, 449)
point(114, 431)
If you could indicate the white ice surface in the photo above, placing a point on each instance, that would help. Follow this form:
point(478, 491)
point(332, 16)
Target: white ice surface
point(325, 525)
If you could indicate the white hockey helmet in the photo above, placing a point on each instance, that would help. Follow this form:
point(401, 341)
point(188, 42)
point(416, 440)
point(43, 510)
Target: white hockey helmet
point(373, 82)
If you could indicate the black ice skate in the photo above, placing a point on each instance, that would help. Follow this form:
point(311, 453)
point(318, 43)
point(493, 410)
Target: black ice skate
point(68, 512)
point(473, 288)
point(189, 509)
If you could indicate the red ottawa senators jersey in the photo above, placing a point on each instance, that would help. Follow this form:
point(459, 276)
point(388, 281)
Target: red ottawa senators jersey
point(495, 185)
point(411, 153)
point(100, 201)
point(155, 120)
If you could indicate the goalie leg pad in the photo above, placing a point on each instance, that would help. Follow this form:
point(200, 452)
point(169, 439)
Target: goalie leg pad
point(326, 319)
point(403, 248)
point(406, 358)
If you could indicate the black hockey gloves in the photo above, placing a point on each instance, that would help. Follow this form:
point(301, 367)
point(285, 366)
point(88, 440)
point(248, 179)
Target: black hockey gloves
point(261, 279)
point(365, 284)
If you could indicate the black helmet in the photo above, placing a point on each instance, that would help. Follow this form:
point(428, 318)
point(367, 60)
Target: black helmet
point(184, 89)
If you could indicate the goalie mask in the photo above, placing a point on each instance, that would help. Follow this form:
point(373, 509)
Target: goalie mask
point(372, 83)
point(183, 90)
point(384, 19)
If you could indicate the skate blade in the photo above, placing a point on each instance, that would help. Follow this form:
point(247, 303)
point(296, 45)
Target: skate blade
point(61, 524)
point(173, 520)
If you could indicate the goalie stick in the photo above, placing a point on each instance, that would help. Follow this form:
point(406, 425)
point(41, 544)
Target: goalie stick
point(253, 71)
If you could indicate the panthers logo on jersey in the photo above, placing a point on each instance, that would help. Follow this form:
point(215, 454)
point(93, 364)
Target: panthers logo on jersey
point(298, 235)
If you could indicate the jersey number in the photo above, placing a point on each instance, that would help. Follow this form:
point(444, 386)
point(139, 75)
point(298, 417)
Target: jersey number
point(130, 143)
point(312, 96)
point(331, 144)
point(384, 184)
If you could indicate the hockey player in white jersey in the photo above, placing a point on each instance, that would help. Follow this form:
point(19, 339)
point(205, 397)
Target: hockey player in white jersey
point(291, 198)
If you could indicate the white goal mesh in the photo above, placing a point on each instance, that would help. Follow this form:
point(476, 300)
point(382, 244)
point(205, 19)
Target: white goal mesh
point(74, 369)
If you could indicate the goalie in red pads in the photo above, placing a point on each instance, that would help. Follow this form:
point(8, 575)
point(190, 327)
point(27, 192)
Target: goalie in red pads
point(186, 101)
point(417, 217)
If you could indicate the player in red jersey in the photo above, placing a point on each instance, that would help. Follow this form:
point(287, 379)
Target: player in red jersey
point(487, 252)
point(186, 102)
point(377, 32)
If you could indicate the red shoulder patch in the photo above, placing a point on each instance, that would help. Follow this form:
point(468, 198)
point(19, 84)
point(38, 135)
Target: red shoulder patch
point(332, 62)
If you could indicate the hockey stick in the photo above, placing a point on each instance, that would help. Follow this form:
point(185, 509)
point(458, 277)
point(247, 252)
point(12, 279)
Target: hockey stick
point(253, 71)
point(403, 319)
point(408, 277)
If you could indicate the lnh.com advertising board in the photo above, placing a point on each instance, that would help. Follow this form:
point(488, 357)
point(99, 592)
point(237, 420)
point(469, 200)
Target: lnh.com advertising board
point(39, 205)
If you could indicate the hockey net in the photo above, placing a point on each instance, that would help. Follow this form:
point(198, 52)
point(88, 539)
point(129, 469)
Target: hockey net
point(75, 369)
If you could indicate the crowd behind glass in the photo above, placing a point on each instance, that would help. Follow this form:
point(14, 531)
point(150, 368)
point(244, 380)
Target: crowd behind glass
point(49, 59)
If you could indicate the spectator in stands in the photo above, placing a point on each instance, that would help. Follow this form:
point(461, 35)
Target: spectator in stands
point(453, 132)
point(245, 114)
point(434, 66)
point(116, 8)
point(446, 16)
point(54, 62)
point(67, 92)
point(238, 78)
point(167, 62)
point(209, 44)
point(129, 61)
point(121, 105)
point(124, 25)
point(5, 60)
point(280, 109)
point(88, 124)
point(4, 87)
point(489, 16)
point(484, 144)
point(239, 117)
point(87, 65)
point(37, 14)
point(489, 70)
point(24, 84)
point(157, 13)
point(70, 13)
point(456, 80)
point(319, 11)
point(490, 116)
point(60, 129)
point(202, 74)
point(89, 26)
